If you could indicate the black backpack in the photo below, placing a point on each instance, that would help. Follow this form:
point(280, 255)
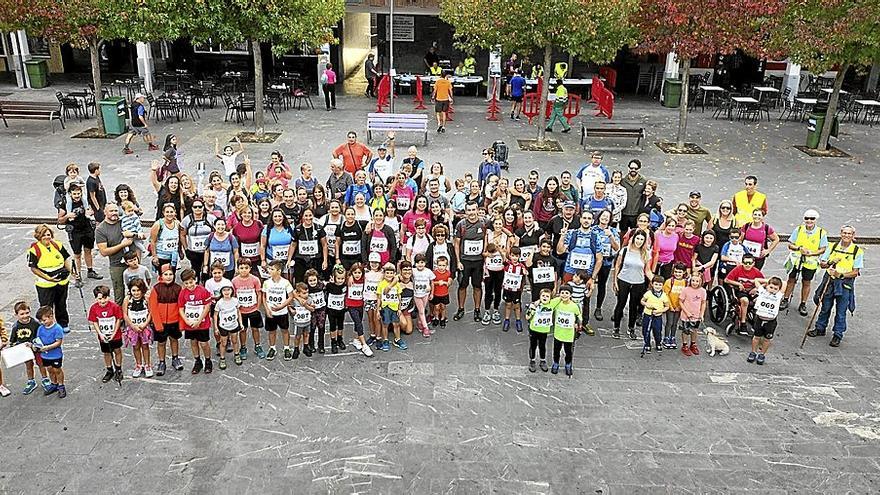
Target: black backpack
point(59, 201)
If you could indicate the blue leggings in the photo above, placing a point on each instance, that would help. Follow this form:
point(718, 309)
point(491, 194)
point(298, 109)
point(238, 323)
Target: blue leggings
point(652, 324)
point(357, 316)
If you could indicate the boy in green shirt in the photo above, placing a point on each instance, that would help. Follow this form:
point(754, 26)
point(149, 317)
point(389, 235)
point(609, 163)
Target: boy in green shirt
point(566, 317)
point(540, 318)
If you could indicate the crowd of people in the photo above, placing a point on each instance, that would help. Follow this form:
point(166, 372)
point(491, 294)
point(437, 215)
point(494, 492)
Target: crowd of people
point(239, 253)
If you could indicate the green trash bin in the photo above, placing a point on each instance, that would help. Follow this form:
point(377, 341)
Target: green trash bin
point(38, 73)
point(114, 111)
point(672, 93)
point(814, 128)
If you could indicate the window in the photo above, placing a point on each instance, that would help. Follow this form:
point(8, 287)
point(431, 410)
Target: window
point(211, 47)
point(37, 46)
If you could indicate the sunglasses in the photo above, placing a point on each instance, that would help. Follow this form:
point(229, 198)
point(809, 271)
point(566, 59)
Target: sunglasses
point(682, 211)
point(748, 262)
point(198, 206)
point(809, 218)
point(725, 207)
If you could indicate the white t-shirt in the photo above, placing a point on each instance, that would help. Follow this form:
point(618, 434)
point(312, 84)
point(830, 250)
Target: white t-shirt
point(214, 287)
point(276, 293)
point(422, 282)
point(767, 304)
point(227, 313)
point(383, 168)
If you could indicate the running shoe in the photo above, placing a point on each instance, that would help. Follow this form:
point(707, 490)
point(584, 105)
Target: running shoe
point(296, 353)
point(443, 323)
point(45, 382)
point(237, 360)
point(288, 354)
point(108, 375)
point(506, 326)
point(598, 314)
point(258, 350)
point(752, 357)
point(222, 364)
point(307, 350)
point(694, 349)
point(401, 344)
point(51, 389)
point(543, 366)
point(519, 327)
point(334, 349)
point(435, 321)
point(340, 343)
point(160, 368)
point(209, 366)
point(357, 344)
point(496, 317)
point(177, 363)
point(458, 314)
point(62, 392)
point(477, 317)
point(555, 368)
point(631, 333)
point(243, 353)
point(367, 351)
point(386, 346)
point(197, 366)
point(148, 371)
point(568, 370)
point(590, 330)
point(685, 349)
point(802, 309)
point(616, 334)
point(118, 375)
point(92, 274)
point(532, 366)
point(4, 392)
point(487, 318)
point(371, 340)
point(760, 359)
point(29, 387)
point(137, 371)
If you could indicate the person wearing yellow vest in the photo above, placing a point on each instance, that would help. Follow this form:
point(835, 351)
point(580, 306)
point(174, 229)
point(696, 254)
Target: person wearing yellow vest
point(748, 200)
point(49, 261)
point(806, 243)
point(843, 262)
point(558, 108)
point(537, 71)
point(470, 65)
point(435, 70)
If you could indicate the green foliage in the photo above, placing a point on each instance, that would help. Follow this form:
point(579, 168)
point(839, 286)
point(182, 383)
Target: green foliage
point(588, 29)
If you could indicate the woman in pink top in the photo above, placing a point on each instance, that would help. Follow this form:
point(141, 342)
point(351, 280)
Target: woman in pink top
point(328, 80)
point(402, 193)
point(759, 238)
point(665, 243)
point(419, 210)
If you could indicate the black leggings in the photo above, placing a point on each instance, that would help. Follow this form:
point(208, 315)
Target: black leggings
point(569, 351)
point(602, 282)
point(56, 298)
point(317, 323)
point(537, 340)
point(337, 319)
point(492, 294)
point(196, 260)
point(357, 317)
point(634, 293)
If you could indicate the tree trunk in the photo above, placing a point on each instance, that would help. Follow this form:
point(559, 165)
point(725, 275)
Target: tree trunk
point(96, 78)
point(832, 108)
point(542, 116)
point(258, 88)
point(683, 104)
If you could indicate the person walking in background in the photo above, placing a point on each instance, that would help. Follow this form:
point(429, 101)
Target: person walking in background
point(442, 97)
point(328, 81)
point(370, 73)
point(558, 107)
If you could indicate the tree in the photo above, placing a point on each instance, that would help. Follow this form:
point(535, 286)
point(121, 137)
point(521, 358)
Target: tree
point(286, 24)
point(822, 34)
point(588, 29)
point(85, 23)
point(692, 28)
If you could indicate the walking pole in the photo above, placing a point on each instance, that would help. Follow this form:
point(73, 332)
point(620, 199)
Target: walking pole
point(82, 297)
point(818, 306)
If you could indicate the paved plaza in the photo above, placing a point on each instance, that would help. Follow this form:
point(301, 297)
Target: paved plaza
point(459, 412)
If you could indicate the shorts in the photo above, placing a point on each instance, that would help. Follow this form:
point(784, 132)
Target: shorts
point(139, 131)
point(390, 316)
point(171, 330)
point(739, 294)
point(764, 328)
point(370, 305)
point(441, 106)
point(52, 363)
point(301, 329)
point(440, 299)
point(688, 327)
point(512, 296)
point(80, 240)
point(252, 320)
point(471, 275)
point(225, 333)
point(277, 322)
point(517, 98)
point(108, 347)
point(202, 335)
point(134, 338)
point(806, 273)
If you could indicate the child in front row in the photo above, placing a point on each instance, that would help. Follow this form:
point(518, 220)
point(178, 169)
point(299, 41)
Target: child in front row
point(318, 299)
point(655, 302)
point(248, 290)
point(277, 293)
point(693, 306)
point(227, 321)
point(354, 301)
point(388, 292)
point(336, 288)
point(49, 338)
point(673, 288)
point(302, 320)
point(566, 317)
point(540, 318)
point(138, 327)
point(194, 304)
point(440, 298)
point(106, 320)
point(512, 286)
point(24, 330)
point(766, 310)
point(580, 295)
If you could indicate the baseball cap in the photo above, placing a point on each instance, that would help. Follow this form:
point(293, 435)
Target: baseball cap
point(568, 204)
point(138, 96)
point(695, 193)
point(375, 257)
point(811, 213)
point(382, 147)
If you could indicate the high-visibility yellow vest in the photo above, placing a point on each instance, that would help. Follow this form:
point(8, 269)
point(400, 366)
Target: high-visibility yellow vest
point(436, 70)
point(809, 242)
point(49, 260)
point(845, 258)
point(745, 208)
point(470, 66)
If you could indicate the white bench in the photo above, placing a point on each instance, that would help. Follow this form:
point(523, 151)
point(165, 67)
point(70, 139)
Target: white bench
point(398, 122)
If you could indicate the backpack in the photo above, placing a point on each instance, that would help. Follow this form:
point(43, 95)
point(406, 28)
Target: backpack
point(59, 200)
point(655, 218)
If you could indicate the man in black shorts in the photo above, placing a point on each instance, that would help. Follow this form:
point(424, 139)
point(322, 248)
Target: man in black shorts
point(469, 245)
point(80, 225)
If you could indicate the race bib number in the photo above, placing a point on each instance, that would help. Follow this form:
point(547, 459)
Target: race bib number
point(228, 319)
point(138, 317)
point(330, 231)
point(405, 301)
point(438, 252)
point(317, 299)
point(247, 297)
point(473, 248)
point(308, 248)
point(495, 263)
point(280, 252)
point(107, 327)
point(336, 302)
point(564, 319)
point(543, 318)
point(370, 289)
point(524, 252)
point(351, 248)
point(543, 274)
point(402, 203)
point(512, 281)
point(250, 249)
point(392, 296)
point(356, 292)
point(223, 257)
point(420, 287)
point(581, 261)
point(198, 243)
point(767, 306)
point(302, 316)
point(735, 252)
point(276, 296)
point(167, 245)
point(378, 244)
point(192, 311)
point(752, 247)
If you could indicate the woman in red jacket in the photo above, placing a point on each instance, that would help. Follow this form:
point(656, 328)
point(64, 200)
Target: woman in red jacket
point(545, 205)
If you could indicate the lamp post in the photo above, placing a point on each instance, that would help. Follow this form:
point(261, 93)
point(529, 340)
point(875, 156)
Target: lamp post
point(391, 51)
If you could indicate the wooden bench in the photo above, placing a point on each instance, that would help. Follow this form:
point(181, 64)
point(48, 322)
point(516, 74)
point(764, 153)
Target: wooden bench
point(637, 133)
point(398, 122)
point(31, 110)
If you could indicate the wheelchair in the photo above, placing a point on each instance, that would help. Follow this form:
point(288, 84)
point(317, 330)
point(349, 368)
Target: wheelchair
point(724, 306)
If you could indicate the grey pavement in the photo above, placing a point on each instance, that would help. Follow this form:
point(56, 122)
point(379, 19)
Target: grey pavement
point(460, 413)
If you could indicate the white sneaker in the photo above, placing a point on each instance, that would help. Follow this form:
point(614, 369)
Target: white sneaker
point(136, 372)
point(4, 392)
point(148, 371)
point(367, 351)
point(357, 344)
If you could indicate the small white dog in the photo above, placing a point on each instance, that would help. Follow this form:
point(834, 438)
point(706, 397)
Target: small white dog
point(716, 343)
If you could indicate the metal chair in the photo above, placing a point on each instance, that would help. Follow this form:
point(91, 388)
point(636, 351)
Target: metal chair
point(69, 104)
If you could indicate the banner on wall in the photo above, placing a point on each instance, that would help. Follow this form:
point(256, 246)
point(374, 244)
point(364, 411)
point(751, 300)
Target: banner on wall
point(404, 27)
